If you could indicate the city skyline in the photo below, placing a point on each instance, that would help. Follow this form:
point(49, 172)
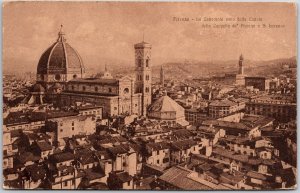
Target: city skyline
point(99, 110)
point(107, 32)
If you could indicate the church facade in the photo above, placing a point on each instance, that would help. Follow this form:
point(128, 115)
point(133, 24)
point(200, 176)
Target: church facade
point(61, 72)
point(116, 96)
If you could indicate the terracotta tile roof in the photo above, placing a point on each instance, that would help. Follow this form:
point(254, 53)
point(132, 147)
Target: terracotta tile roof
point(183, 145)
point(157, 146)
point(95, 81)
point(222, 103)
point(230, 178)
point(178, 177)
point(256, 175)
point(121, 176)
point(227, 124)
point(36, 172)
point(92, 174)
point(44, 146)
point(61, 157)
point(27, 156)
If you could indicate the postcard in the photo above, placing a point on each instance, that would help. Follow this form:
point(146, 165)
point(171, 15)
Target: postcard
point(149, 95)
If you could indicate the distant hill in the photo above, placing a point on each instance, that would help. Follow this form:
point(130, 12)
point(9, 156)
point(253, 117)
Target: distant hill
point(198, 69)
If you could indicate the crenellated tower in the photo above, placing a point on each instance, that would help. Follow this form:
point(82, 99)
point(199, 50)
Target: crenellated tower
point(241, 67)
point(162, 76)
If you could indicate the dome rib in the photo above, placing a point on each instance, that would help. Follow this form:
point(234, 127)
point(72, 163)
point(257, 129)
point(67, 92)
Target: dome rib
point(66, 56)
point(60, 58)
point(45, 56)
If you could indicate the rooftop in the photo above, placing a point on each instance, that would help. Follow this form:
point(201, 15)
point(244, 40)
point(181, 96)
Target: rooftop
point(99, 81)
point(178, 177)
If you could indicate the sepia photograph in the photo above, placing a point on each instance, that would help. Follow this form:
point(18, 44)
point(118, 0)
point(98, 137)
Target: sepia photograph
point(149, 95)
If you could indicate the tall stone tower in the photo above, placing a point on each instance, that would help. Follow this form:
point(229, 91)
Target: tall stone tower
point(241, 67)
point(240, 77)
point(162, 76)
point(143, 73)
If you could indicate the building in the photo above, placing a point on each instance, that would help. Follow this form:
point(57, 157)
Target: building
point(143, 73)
point(7, 150)
point(27, 120)
point(120, 180)
point(182, 150)
point(59, 64)
point(235, 128)
point(195, 116)
point(61, 76)
point(180, 178)
point(62, 173)
point(260, 83)
point(158, 154)
point(116, 96)
point(122, 96)
point(281, 110)
point(222, 108)
point(240, 77)
point(166, 109)
point(66, 124)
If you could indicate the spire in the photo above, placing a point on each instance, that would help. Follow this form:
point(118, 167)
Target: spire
point(162, 76)
point(61, 35)
point(143, 36)
point(241, 57)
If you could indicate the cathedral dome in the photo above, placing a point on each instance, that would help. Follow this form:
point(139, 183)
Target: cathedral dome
point(59, 58)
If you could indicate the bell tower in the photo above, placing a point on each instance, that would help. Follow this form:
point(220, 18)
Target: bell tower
point(143, 73)
point(162, 76)
point(240, 77)
point(241, 67)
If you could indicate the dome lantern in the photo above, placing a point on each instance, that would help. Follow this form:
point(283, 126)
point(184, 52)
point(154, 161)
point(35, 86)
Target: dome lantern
point(61, 35)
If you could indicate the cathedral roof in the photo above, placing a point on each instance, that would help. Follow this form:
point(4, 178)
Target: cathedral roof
point(99, 81)
point(165, 104)
point(59, 58)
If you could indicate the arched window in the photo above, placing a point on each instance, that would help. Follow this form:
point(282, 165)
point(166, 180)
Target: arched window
point(72, 87)
point(74, 76)
point(126, 90)
point(147, 89)
point(147, 77)
point(96, 89)
point(147, 63)
point(57, 77)
point(109, 90)
point(83, 88)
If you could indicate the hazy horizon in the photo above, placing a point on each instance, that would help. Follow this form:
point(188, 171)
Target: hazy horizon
point(104, 33)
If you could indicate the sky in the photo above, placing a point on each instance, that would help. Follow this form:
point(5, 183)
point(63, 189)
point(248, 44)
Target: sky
point(105, 33)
